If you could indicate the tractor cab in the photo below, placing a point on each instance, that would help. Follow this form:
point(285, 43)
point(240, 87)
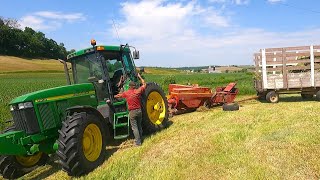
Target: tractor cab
point(109, 68)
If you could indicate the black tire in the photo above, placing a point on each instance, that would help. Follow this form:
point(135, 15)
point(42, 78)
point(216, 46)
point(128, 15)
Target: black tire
point(71, 148)
point(306, 96)
point(272, 97)
point(148, 125)
point(318, 96)
point(230, 107)
point(11, 168)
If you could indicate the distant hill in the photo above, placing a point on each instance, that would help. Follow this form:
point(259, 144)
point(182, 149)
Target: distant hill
point(159, 70)
point(11, 64)
point(16, 64)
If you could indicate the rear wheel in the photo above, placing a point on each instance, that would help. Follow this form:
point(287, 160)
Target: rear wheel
point(155, 108)
point(82, 143)
point(12, 167)
point(318, 96)
point(272, 97)
point(306, 96)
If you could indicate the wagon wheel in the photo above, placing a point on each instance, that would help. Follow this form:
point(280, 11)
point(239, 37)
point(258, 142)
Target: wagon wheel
point(272, 97)
point(306, 96)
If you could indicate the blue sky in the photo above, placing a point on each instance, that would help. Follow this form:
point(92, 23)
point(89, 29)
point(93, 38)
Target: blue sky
point(174, 33)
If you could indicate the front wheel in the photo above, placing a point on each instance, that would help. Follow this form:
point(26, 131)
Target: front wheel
point(82, 143)
point(12, 167)
point(154, 108)
point(272, 97)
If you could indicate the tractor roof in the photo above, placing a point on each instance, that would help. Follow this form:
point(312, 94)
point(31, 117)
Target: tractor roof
point(99, 48)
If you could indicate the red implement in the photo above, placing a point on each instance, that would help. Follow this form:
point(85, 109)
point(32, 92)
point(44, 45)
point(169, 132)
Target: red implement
point(188, 98)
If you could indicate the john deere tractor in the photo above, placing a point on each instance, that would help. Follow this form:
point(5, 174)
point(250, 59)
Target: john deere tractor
point(78, 120)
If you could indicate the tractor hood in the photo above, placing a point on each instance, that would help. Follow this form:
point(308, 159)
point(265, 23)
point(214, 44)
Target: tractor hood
point(56, 93)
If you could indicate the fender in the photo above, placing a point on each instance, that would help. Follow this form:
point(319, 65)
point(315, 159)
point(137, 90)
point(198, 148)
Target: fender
point(92, 110)
point(87, 109)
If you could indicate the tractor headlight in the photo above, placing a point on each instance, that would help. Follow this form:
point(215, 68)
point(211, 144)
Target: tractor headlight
point(11, 108)
point(25, 105)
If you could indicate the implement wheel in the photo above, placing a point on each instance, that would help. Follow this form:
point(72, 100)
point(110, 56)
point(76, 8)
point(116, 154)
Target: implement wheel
point(230, 107)
point(82, 143)
point(154, 109)
point(12, 167)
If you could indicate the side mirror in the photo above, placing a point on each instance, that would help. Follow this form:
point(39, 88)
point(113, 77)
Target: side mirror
point(136, 54)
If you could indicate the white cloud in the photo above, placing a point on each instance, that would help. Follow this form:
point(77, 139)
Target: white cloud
point(61, 16)
point(188, 34)
point(49, 20)
point(275, 1)
point(237, 2)
point(157, 20)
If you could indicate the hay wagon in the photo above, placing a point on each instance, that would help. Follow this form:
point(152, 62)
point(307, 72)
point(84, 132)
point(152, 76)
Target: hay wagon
point(287, 70)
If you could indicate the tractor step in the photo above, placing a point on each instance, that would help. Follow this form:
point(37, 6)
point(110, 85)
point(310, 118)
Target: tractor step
point(121, 136)
point(121, 125)
point(122, 114)
point(121, 121)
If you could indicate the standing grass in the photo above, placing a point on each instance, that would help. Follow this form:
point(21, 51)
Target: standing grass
point(15, 84)
point(244, 80)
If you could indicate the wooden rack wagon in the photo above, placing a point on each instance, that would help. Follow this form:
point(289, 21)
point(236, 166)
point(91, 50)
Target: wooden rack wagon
point(287, 70)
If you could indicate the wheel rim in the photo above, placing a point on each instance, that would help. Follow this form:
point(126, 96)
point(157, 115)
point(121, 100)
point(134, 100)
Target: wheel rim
point(29, 161)
point(274, 98)
point(92, 142)
point(156, 108)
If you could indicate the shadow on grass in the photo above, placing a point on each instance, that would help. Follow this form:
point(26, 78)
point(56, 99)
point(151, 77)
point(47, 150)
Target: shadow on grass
point(54, 167)
point(112, 147)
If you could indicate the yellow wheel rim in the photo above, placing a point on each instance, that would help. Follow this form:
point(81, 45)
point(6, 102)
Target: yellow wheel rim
point(92, 142)
point(29, 161)
point(156, 108)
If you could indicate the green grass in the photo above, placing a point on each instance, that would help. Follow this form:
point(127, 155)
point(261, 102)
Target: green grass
point(16, 84)
point(261, 141)
point(244, 80)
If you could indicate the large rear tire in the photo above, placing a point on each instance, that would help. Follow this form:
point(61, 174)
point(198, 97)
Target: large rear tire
point(82, 143)
point(12, 167)
point(154, 109)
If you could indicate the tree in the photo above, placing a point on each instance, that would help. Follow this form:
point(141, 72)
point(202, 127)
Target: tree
point(27, 42)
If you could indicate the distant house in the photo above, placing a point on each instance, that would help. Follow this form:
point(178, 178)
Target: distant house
point(211, 69)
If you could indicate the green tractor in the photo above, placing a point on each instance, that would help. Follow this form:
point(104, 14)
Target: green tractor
point(78, 120)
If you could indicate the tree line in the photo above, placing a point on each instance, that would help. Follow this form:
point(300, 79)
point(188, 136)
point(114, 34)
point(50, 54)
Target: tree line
point(27, 43)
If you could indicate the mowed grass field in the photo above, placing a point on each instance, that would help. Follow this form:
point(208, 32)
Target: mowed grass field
point(260, 141)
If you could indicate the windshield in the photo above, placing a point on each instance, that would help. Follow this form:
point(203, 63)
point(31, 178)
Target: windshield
point(89, 66)
point(85, 67)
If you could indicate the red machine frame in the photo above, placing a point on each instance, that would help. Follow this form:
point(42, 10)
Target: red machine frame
point(189, 98)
